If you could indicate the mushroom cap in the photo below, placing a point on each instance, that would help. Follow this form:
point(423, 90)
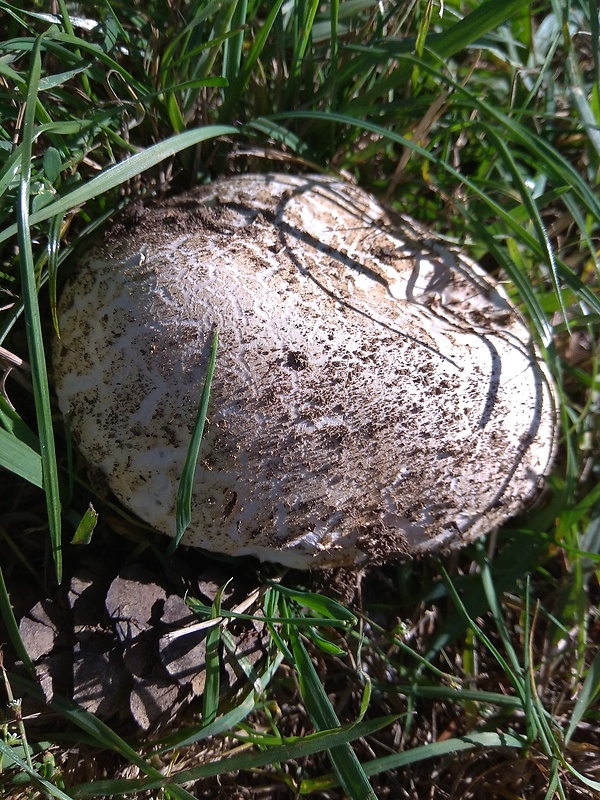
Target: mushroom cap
point(375, 392)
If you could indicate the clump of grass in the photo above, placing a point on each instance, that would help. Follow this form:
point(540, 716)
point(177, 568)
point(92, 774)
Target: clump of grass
point(480, 119)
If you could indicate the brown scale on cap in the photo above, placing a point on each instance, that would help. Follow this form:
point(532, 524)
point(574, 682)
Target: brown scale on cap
point(375, 393)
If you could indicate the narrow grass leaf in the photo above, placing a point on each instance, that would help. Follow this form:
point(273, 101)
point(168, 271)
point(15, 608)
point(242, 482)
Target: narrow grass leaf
point(326, 606)
point(225, 722)
point(205, 612)
point(221, 31)
point(12, 629)
point(13, 423)
point(118, 174)
point(54, 236)
point(441, 692)
point(52, 81)
point(532, 209)
point(324, 644)
point(282, 135)
point(583, 778)
point(344, 760)
point(487, 581)
point(238, 87)
point(515, 678)
point(440, 46)
point(273, 602)
point(449, 747)
point(486, 17)
point(10, 168)
point(532, 725)
point(39, 373)
point(232, 50)
point(290, 751)
point(210, 695)
point(301, 44)
point(186, 482)
point(20, 458)
point(100, 733)
point(366, 698)
point(589, 693)
point(49, 789)
point(334, 15)
point(241, 662)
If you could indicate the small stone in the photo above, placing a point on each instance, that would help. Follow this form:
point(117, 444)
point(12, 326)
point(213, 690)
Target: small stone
point(152, 701)
point(38, 632)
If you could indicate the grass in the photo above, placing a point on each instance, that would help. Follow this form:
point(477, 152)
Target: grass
point(470, 677)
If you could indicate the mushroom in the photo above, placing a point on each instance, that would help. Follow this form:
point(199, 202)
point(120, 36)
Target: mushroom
point(375, 393)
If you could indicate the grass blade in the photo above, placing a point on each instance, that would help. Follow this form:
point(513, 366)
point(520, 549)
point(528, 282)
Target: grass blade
point(20, 458)
point(12, 628)
point(291, 750)
point(449, 747)
point(587, 696)
point(532, 209)
point(118, 174)
point(101, 734)
point(232, 50)
point(345, 761)
point(186, 483)
point(37, 359)
point(48, 788)
point(238, 86)
point(440, 46)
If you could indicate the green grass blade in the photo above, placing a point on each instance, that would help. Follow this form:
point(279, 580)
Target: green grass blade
point(449, 747)
point(100, 733)
point(54, 236)
point(186, 482)
point(334, 15)
point(12, 629)
point(37, 359)
point(590, 691)
point(226, 721)
point(49, 790)
point(440, 46)
point(13, 423)
point(293, 749)
point(484, 18)
point(326, 606)
point(515, 676)
point(344, 760)
point(20, 458)
point(210, 697)
point(212, 687)
point(304, 36)
point(487, 581)
point(531, 207)
point(118, 174)
point(238, 86)
point(233, 47)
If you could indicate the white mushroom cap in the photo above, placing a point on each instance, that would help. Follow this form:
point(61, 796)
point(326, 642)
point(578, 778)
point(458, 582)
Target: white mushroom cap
point(374, 393)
